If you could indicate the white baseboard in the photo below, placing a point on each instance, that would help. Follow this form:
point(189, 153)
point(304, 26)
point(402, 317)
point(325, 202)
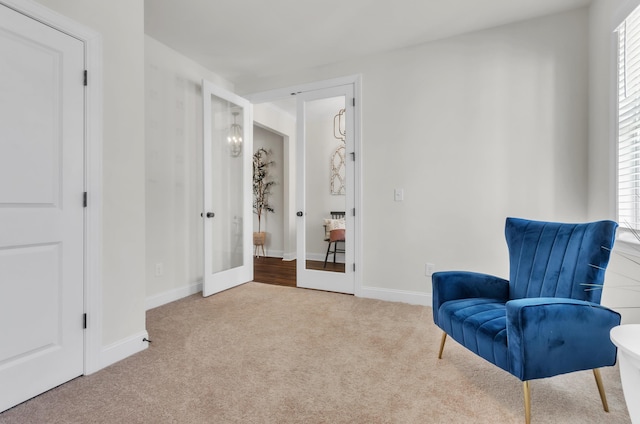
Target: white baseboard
point(320, 257)
point(172, 295)
point(310, 256)
point(123, 348)
point(271, 253)
point(291, 256)
point(390, 295)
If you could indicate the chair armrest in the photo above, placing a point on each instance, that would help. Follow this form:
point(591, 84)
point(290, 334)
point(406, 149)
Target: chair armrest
point(453, 285)
point(548, 336)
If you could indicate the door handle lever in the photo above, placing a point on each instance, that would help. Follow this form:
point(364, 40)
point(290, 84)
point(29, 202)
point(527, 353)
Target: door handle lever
point(299, 213)
point(209, 214)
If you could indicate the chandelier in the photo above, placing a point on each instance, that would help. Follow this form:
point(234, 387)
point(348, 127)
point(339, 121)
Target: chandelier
point(235, 137)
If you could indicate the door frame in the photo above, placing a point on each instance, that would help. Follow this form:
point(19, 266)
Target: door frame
point(356, 80)
point(92, 40)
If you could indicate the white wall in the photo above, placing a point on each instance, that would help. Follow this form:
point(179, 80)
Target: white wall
point(173, 121)
point(121, 23)
point(474, 129)
point(604, 17)
point(272, 222)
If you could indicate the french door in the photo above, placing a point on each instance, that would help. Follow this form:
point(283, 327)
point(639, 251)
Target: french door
point(227, 214)
point(325, 184)
point(41, 207)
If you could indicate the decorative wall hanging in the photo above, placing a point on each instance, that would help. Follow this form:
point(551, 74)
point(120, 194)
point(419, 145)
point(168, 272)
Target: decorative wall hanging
point(338, 171)
point(338, 125)
point(338, 163)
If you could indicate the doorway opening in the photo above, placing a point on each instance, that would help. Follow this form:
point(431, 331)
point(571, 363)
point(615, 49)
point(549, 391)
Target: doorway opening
point(269, 145)
point(316, 260)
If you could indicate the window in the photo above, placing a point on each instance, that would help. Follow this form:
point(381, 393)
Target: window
point(629, 121)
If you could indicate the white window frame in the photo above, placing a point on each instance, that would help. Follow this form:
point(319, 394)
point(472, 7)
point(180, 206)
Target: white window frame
point(627, 80)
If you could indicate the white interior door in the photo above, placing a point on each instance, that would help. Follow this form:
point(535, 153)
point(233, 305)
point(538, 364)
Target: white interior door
point(41, 207)
point(325, 184)
point(227, 214)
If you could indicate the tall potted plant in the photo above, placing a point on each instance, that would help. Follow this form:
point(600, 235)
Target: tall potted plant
point(262, 183)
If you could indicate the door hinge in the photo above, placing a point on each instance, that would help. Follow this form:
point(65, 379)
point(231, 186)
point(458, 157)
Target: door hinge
point(353, 211)
point(85, 77)
point(84, 199)
point(84, 321)
point(354, 102)
point(354, 267)
point(353, 156)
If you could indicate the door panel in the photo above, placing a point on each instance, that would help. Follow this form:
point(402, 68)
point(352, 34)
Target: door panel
point(41, 211)
point(325, 185)
point(227, 189)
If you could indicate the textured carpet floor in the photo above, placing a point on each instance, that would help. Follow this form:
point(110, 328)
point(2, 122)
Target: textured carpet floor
point(267, 354)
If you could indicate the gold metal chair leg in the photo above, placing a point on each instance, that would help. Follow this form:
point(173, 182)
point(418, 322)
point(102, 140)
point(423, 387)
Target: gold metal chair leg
point(603, 397)
point(527, 402)
point(444, 339)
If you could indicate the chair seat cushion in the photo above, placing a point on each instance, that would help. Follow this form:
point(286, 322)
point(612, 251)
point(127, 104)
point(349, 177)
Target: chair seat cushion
point(478, 324)
point(337, 235)
point(333, 224)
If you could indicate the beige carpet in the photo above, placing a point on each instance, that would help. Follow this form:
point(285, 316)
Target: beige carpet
point(269, 354)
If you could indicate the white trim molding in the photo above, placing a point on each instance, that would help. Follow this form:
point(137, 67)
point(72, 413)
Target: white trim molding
point(282, 93)
point(93, 168)
point(319, 257)
point(172, 295)
point(124, 348)
point(390, 295)
point(93, 187)
point(271, 253)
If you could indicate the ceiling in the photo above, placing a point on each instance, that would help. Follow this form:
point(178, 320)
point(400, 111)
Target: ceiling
point(244, 39)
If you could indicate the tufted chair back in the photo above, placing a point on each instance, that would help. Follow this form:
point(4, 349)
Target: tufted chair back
point(549, 259)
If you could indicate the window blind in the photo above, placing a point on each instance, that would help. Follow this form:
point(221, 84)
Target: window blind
point(629, 121)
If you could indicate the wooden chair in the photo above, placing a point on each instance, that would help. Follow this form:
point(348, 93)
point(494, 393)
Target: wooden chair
point(334, 236)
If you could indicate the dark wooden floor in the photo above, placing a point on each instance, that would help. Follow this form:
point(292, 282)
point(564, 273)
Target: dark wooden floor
point(274, 271)
point(283, 273)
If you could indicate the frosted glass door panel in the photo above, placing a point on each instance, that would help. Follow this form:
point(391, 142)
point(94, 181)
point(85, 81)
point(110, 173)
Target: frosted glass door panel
point(227, 147)
point(226, 189)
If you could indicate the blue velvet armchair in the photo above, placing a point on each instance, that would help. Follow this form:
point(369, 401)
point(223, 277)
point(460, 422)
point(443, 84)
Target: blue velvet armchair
point(546, 320)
